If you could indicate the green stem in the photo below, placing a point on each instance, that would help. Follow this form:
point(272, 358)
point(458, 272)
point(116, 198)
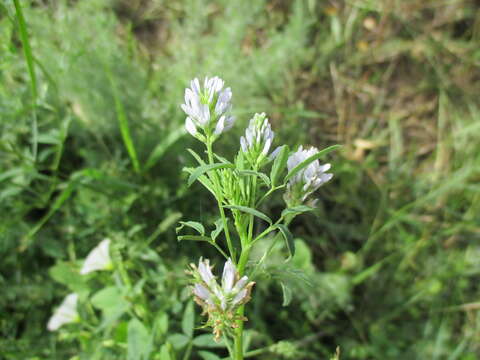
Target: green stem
point(238, 344)
point(219, 198)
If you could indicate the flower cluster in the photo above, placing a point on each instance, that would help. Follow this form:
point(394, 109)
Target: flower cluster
point(220, 302)
point(258, 139)
point(208, 108)
point(308, 179)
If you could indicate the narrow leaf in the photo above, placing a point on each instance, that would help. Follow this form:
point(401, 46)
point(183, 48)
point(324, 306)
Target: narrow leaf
point(160, 150)
point(308, 161)
point(287, 235)
point(218, 229)
point(287, 294)
point(123, 122)
point(196, 156)
point(249, 211)
point(297, 210)
point(191, 224)
point(279, 164)
point(193, 238)
point(262, 176)
point(199, 171)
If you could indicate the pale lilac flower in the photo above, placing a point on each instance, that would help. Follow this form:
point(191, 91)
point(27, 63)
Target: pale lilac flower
point(208, 108)
point(220, 301)
point(258, 138)
point(307, 180)
point(98, 258)
point(65, 314)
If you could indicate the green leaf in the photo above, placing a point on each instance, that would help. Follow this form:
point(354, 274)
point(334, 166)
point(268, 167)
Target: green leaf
point(218, 228)
point(192, 224)
point(139, 341)
point(249, 211)
point(111, 301)
point(206, 341)
point(159, 150)
point(297, 210)
point(287, 235)
point(193, 238)
point(196, 156)
point(279, 164)
point(199, 171)
point(207, 355)
point(178, 341)
point(262, 176)
point(188, 320)
point(68, 275)
point(165, 352)
point(161, 324)
point(287, 294)
point(308, 161)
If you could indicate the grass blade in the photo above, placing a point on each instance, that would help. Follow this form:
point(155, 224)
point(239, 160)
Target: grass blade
point(123, 122)
point(27, 50)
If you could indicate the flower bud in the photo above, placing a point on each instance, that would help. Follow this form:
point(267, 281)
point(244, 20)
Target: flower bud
point(257, 140)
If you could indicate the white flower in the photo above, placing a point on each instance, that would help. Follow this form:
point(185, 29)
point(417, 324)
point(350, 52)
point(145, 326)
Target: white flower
point(65, 314)
point(98, 258)
point(208, 108)
point(307, 180)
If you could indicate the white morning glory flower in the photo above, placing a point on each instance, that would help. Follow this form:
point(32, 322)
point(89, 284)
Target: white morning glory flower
point(220, 301)
point(308, 179)
point(207, 108)
point(98, 258)
point(65, 314)
point(258, 138)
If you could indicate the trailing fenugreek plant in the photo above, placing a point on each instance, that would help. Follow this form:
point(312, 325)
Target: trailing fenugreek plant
point(239, 188)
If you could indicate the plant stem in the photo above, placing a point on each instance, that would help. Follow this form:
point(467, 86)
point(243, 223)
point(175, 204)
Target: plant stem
point(238, 345)
point(219, 198)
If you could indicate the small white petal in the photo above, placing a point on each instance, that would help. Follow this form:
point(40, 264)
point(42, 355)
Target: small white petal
point(243, 144)
point(240, 284)
point(275, 152)
point(205, 271)
point(239, 297)
point(220, 126)
point(190, 126)
point(228, 276)
point(201, 291)
point(66, 313)
point(98, 258)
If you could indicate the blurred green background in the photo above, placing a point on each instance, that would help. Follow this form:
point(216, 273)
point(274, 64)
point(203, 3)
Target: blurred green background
point(92, 145)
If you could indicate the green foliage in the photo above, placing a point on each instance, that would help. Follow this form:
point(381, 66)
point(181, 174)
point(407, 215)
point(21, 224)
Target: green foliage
point(387, 265)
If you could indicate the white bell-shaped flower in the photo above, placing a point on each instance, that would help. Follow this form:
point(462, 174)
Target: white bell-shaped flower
point(98, 258)
point(65, 314)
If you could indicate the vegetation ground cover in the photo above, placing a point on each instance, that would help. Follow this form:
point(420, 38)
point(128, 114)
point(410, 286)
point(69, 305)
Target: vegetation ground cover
point(92, 146)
